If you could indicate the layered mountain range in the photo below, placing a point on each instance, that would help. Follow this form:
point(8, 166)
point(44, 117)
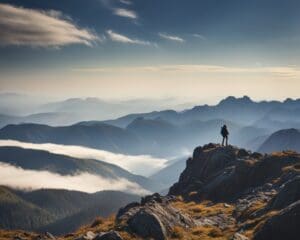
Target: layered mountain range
point(219, 192)
point(223, 193)
point(170, 133)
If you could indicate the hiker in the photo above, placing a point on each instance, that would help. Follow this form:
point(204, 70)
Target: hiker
point(224, 133)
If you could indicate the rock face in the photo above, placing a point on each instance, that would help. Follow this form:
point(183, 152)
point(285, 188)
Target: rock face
point(226, 173)
point(153, 218)
point(284, 225)
point(112, 235)
point(287, 195)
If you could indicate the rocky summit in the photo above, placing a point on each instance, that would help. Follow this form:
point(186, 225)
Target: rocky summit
point(223, 193)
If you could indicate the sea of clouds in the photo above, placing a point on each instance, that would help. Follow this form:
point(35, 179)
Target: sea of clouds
point(16, 177)
point(144, 165)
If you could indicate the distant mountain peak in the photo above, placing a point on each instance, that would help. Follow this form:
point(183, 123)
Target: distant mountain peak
point(234, 100)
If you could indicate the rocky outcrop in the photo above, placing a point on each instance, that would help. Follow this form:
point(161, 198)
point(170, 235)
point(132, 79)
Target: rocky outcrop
point(111, 235)
point(284, 225)
point(226, 173)
point(289, 193)
point(153, 218)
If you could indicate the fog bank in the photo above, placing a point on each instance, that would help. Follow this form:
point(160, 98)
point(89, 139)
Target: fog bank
point(16, 177)
point(142, 165)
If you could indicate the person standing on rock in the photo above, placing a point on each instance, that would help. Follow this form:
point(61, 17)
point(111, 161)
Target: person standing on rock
point(224, 133)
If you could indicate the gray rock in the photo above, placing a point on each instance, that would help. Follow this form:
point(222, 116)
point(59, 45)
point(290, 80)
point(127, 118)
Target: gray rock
point(242, 153)
point(238, 236)
point(146, 224)
point(88, 236)
point(155, 218)
point(18, 238)
point(287, 195)
point(49, 236)
point(111, 235)
point(284, 225)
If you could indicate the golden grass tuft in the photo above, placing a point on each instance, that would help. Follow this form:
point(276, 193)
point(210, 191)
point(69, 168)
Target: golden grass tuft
point(203, 209)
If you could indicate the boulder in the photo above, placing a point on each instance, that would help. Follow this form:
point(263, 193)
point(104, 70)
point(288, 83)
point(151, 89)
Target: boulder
point(284, 225)
point(146, 223)
point(153, 218)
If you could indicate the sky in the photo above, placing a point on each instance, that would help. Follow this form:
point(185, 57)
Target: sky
point(200, 50)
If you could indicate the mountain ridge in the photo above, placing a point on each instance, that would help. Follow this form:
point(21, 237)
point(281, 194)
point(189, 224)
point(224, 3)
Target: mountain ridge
point(223, 192)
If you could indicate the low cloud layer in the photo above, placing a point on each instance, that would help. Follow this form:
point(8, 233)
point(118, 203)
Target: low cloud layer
point(39, 28)
point(19, 178)
point(142, 164)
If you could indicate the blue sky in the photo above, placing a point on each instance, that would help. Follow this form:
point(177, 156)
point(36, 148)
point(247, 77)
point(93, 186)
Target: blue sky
point(151, 48)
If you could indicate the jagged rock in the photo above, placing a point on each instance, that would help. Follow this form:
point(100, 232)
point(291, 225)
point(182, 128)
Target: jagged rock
point(256, 155)
point(88, 236)
point(284, 225)
point(287, 195)
point(155, 198)
point(49, 236)
point(125, 209)
point(18, 238)
point(111, 235)
point(219, 220)
point(242, 153)
point(220, 174)
point(45, 236)
point(206, 162)
point(153, 218)
point(238, 236)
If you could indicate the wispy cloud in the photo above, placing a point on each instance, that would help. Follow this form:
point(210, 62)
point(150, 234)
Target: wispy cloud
point(17, 177)
point(117, 37)
point(171, 37)
point(122, 12)
point(196, 35)
point(280, 71)
point(127, 2)
point(39, 28)
point(141, 164)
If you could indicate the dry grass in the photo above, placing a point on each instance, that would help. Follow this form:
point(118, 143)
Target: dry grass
point(199, 232)
point(99, 225)
point(203, 209)
point(11, 234)
point(256, 223)
point(292, 168)
point(197, 210)
point(246, 214)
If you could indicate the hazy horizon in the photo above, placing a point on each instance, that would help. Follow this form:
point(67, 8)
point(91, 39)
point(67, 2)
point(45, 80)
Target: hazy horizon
point(117, 50)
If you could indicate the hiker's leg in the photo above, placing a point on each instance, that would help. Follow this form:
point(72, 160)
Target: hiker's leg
point(223, 141)
point(226, 140)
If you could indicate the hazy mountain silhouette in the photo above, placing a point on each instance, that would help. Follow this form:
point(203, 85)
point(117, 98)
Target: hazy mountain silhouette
point(171, 173)
point(241, 110)
point(287, 139)
point(65, 165)
point(99, 136)
point(47, 209)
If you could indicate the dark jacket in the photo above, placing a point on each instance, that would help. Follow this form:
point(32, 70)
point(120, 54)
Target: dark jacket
point(224, 131)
